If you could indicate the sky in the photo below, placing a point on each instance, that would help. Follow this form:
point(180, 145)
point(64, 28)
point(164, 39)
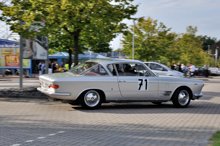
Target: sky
point(178, 15)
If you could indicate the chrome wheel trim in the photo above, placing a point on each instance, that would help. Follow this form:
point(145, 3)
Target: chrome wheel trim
point(92, 98)
point(183, 97)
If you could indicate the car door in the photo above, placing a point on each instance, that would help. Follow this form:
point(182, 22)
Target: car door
point(139, 85)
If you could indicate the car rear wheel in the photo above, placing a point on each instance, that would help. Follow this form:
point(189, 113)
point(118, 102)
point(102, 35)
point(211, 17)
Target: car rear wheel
point(181, 98)
point(91, 99)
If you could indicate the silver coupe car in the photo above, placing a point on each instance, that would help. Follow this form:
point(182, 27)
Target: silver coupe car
point(118, 80)
point(162, 70)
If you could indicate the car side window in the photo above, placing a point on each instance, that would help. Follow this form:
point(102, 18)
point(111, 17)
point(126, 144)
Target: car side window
point(97, 70)
point(152, 66)
point(141, 70)
point(111, 68)
point(131, 69)
point(156, 67)
point(164, 69)
point(120, 69)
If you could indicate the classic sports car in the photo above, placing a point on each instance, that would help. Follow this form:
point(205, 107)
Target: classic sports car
point(118, 80)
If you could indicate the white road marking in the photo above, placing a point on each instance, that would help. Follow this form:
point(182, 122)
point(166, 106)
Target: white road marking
point(29, 141)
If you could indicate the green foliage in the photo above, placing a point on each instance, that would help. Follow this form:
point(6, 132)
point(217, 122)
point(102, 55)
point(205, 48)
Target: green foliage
point(208, 41)
point(191, 48)
point(215, 140)
point(154, 42)
point(151, 40)
point(187, 48)
point(88, 24)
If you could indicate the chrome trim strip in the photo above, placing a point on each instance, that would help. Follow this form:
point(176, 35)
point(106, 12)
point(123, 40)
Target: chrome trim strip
point(60, 94)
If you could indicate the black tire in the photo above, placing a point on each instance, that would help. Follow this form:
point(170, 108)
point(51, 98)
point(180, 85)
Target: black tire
point(181, 98)
point(157, 103)
point(91, 99)
point(74, 102)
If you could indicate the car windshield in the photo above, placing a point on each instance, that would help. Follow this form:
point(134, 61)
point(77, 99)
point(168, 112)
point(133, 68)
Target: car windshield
point(82, 68)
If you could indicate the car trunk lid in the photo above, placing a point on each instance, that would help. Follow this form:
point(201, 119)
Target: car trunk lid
point(52, 77)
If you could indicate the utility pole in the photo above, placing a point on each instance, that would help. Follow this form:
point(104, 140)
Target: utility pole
point(208, 48)
point(21, 61)
point(133, 40)
point(216, 56)
point(134, 34)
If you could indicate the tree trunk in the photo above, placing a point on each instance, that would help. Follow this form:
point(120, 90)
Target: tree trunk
point(70, 58)
point(76, 46)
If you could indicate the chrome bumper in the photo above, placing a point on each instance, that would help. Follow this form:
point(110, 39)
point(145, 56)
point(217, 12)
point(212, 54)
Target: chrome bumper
point(45, 91)
point(197, 96)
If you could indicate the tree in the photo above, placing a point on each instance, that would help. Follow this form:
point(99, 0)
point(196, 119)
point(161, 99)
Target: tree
point(151, 40)
point(91, 21)
point(208, 41)
point(190, 47)
point(173, 52)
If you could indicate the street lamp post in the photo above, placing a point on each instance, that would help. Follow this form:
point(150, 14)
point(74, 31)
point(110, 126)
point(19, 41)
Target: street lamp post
point(133, 35)
point(133, 40)
point(216, 56)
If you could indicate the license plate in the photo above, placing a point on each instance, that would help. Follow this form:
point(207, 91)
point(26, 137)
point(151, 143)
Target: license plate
point(44, 85)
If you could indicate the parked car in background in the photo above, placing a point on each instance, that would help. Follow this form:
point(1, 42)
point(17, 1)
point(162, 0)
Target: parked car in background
point(162, 70)
point(214, 70)
point(200, 71)
point(118, 80)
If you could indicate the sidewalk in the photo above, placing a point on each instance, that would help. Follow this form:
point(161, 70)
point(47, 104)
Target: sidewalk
point(10, 77)
point(10, 87)
point(13, 81)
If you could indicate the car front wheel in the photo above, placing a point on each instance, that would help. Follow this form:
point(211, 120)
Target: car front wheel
point(181, 98)
point(91, 99)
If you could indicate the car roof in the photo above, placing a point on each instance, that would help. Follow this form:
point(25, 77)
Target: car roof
point(152, 62)
point(160, 65)
point(112, 60)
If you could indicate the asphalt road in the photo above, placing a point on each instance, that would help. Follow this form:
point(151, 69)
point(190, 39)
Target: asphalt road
point(36, 122)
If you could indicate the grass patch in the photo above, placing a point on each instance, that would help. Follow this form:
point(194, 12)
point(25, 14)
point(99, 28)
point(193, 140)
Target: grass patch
point(215, 140)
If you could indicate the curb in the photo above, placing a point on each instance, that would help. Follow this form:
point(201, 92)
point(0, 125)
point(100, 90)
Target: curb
point(5, 80)
point(28, 92)
point(27, 97)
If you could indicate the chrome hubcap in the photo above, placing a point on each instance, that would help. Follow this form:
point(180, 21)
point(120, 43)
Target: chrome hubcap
point(183, 97)
point(92, 98)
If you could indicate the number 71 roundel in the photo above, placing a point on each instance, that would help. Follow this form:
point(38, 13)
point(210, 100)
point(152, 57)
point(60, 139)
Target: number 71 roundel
point(142, 84)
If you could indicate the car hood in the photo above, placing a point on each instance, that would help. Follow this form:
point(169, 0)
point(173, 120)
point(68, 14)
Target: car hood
point(54, 76)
